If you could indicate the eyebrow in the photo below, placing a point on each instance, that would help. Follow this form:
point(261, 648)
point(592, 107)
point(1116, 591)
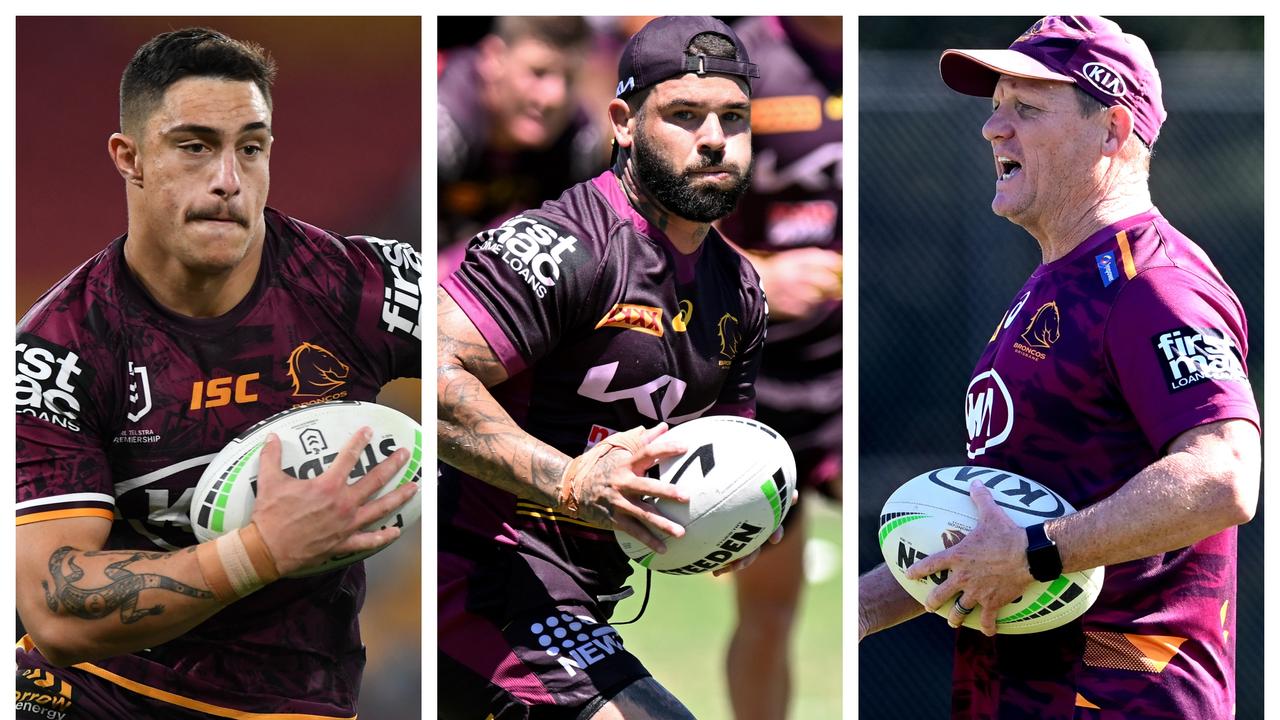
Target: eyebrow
point(685, 102)
point(206, 130)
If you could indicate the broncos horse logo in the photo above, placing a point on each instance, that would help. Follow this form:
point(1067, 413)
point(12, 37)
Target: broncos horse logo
point(1044, 328)
point(316, 371)
point(727, 329)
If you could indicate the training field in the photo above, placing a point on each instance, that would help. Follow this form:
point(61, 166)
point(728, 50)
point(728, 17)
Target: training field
point(684, 632)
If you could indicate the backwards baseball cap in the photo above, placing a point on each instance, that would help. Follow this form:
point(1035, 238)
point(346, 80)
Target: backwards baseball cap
point(1108, 64)
point(661, 51)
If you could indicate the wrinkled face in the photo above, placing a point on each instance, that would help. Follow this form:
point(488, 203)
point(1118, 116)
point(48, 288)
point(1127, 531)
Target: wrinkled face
point(693, 145)
point(204, 164)
point(535, 91)
point(1045, 151)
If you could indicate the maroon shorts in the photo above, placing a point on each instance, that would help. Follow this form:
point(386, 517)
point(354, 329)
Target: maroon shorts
point(549, 663)
point(45, 692)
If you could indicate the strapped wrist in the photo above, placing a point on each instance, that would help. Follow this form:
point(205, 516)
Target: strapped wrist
point(237, 564)
point(583, 465)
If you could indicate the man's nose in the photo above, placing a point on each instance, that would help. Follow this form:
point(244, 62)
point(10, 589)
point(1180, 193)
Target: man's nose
point(711, 133)
point(226, 179)
point(998, 126)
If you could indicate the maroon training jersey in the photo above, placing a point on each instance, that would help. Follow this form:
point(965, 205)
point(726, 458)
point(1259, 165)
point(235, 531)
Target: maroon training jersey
point(1104, 357)
point(602, 325)
point(795, 201)
point(122, 404)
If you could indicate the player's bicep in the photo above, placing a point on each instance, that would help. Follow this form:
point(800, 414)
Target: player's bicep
point(460, 345)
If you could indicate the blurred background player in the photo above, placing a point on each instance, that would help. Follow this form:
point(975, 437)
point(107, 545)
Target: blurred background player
point(789, 224)
point(554, 335)
point(511, 129)
point(209, 288)
point(1117, 377)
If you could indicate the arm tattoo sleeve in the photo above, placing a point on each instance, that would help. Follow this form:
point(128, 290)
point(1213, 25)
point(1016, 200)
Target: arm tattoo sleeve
point(120, 592)
point(475, 434)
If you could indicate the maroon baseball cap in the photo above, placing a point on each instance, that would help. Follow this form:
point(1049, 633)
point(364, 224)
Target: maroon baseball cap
point(660, 51)
point(1092, 52)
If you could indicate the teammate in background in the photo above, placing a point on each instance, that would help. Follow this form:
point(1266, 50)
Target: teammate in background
point(616, 308)
point(1122, 364)
point(511, 133)
point(789, 226)
point(212, 313)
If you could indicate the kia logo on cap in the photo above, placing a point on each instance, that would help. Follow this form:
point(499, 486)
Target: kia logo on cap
point(1104, 78)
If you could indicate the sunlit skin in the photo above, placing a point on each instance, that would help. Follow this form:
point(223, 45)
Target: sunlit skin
point(529, 89)
point(684, 117)
point(1072, 180)
point(196, 177)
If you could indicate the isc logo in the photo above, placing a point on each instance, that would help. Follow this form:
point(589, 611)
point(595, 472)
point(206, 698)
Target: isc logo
point(223, 391)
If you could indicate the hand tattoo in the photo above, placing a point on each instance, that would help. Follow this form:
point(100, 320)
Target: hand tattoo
point(122, 592)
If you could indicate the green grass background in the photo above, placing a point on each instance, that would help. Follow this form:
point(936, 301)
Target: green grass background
point(684, 633)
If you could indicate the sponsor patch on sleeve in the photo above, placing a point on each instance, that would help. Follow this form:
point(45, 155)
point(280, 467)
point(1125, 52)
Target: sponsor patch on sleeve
point(533, 248)
point(51, 381)
point(1189, 356)
point(402, 291)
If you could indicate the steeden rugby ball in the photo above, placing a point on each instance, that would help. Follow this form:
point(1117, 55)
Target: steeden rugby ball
point(740, 477)
point(310, 438)
point(933, 511)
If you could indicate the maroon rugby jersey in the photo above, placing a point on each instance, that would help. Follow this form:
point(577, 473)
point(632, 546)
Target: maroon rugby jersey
point(795, 201)
point(1105, 356)
point(602, 325)
point(121, 405)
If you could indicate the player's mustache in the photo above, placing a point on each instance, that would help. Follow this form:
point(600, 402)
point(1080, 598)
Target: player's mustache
point(217, 214)
point(707, 161)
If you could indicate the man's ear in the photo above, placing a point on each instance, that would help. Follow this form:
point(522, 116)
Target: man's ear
point(125, 155)
point(623, 122)
point(493, 50)
point(1119, 127)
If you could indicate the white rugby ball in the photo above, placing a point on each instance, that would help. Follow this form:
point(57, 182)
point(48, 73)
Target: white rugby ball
point(933, 511)
point(740, 477)
point(310, 438)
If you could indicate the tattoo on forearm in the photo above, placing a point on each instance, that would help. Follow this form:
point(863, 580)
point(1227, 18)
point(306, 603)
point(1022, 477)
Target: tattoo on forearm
point(120, 593)
point(475, 434)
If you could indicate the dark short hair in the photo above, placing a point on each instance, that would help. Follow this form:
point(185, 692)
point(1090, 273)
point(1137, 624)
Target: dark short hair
point(708, 43)
point(1090, 106)
point(172, 56)
point(564, 31)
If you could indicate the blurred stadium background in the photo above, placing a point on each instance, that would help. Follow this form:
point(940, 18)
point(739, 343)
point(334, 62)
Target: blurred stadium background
point(347, 125)
point(936, 269)
point(684, 633)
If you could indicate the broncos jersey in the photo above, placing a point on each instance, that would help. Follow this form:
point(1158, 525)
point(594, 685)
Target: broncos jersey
point(122, 404)
point(795, 201)
point(1104, 357)
point(602, 325)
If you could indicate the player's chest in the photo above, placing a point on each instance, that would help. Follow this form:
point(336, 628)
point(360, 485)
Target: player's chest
point(1043, 367)
point(181, 398)
point(675, 342)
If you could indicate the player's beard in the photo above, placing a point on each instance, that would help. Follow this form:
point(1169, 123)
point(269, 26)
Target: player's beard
point(675, 189)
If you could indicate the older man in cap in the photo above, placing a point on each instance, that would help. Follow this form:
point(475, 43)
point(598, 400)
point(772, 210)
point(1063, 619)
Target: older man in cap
point(1118, 379)
point(588, 316)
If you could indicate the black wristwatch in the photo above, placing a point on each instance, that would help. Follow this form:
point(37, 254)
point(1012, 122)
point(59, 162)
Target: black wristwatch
point(1042, 555)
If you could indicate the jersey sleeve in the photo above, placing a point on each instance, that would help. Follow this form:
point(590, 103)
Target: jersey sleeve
point(61, 468)
point(1177, 347)
point(523, 284)
point(391, 304)
point(738, 395)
